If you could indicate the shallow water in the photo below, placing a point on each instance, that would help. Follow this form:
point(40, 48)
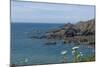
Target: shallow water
point(27, 51)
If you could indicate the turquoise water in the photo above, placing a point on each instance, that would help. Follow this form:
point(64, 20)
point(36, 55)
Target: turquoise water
point(27, 51)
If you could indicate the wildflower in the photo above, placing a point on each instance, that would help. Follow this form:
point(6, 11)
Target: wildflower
point(75, 47)
point(81, 54)
point(73, 51)
point(64, 52)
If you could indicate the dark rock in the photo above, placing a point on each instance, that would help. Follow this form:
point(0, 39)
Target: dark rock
point(50, 43)
point(71, 32)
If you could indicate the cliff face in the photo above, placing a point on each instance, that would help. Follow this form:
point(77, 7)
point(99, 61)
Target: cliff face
point(82, 28)
point(87, 27)
point(81, 32)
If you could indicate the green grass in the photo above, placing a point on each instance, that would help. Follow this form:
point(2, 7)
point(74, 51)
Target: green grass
point(87, 58)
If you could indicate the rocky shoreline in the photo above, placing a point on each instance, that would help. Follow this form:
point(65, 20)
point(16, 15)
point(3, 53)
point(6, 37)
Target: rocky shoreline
point(81, 32)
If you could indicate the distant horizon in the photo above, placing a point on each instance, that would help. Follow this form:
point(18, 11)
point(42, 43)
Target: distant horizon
point(31, 12)
point(54, 22)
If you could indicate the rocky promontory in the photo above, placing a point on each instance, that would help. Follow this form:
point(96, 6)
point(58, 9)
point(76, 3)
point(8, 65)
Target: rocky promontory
point(80, 32)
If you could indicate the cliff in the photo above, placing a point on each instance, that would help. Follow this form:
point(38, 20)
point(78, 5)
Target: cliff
point(82, 28)
point(81, 32)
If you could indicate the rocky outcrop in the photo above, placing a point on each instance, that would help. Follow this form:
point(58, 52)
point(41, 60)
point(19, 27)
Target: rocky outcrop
point(86, 27)
point(81, 32)
point(82, 28)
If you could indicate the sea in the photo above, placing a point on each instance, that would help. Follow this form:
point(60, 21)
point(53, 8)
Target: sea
point(30, 51)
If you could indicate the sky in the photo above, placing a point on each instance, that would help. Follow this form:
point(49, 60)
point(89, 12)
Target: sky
point(32, 12)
